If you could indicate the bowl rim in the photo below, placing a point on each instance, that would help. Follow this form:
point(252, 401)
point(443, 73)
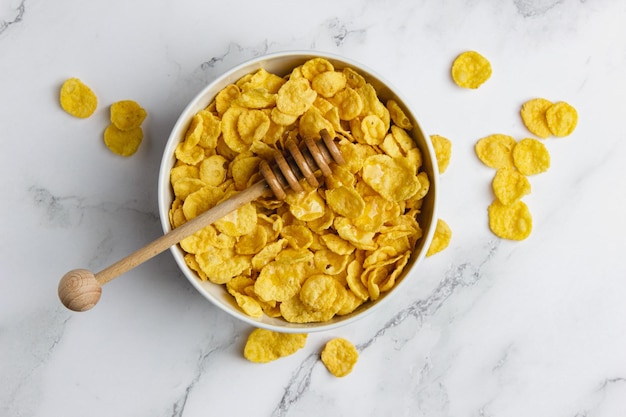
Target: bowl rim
point(201, 100)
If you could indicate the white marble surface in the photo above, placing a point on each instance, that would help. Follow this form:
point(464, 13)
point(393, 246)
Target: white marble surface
point(490, 328)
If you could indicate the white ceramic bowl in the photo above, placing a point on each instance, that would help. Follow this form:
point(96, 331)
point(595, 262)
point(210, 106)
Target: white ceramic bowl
point(282, 63)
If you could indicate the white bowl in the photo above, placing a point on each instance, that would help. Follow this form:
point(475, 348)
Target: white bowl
point(281, 64)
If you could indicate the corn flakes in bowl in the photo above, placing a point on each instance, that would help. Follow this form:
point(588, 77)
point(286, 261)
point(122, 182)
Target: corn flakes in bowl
point(321, 257)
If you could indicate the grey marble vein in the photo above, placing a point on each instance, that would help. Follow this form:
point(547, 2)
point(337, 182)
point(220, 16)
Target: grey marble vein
point(25, 354)
point(16, 18)
point(532, 8)
point(459, 276)
point(203, 361)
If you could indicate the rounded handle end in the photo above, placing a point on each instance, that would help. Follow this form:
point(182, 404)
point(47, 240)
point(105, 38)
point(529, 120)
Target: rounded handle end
point(79, 290)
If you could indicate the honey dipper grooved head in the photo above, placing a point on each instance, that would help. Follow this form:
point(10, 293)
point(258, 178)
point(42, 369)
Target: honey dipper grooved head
point(79, 290)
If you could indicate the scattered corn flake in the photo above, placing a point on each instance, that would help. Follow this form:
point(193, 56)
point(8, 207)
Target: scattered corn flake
point(510, 185)
point(265, 345)
point(123, 142)
point(513, 221)
point(470, 70)
point(441, 238)
point(339, 356)
point(531, 157)
point(127, 114)
point(533, 114)
point(77, 98)
point(562, 119)
point(443, 151)
point(496, 151)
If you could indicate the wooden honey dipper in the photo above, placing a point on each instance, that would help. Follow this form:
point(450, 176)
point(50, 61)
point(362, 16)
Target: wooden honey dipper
point(80, 289)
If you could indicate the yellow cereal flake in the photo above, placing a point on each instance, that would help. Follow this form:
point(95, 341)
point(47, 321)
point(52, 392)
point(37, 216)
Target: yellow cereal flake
point(345, 201)
point(127, 114)
point(77, 98)
point(398, 115)
point(562, 119)
point(295, 97)
point(496, 151)
point(328, 83)
point(374, 129)
point(533, 114)
point(123, 142)
point(392, 178)
point(319, 292)
point(531, 157)
point(315, 66)
point(441, 238)
point(225, 98)
point(295, 311)
point(510, 185)
point(212, 170)
point(222, 266)
point(265, 345)
point(238, 222)
point(470, 70)
point(513, 221)
point(348, 103)
point(339, 356)
point(278, 281)
point(443, 151)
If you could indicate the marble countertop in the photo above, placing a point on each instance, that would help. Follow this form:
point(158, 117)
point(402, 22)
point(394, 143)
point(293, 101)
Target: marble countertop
point(490, 327)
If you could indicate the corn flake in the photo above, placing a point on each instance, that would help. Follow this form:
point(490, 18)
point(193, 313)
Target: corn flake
point(398, 116)
point(443, 151)
point(391, 178)
point(348, 102)
point(319, 292)
point(328, 83)
point(531, 157)
point(77, 98)
point(127, 115)
point(510, 185)
point(533, 114)
point(441, 238)
point(513, 221)
point(295, 97)
point(222, 266)
point(496, 151)
point(345, 201)
point(339, 356)
point(212, 170)
point(278, 281)
point(562, 119)
point(265, 345)
point(123, 142)
point(470, 70)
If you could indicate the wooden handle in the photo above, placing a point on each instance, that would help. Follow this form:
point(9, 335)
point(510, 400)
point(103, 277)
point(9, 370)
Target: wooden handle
point(80, 289)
